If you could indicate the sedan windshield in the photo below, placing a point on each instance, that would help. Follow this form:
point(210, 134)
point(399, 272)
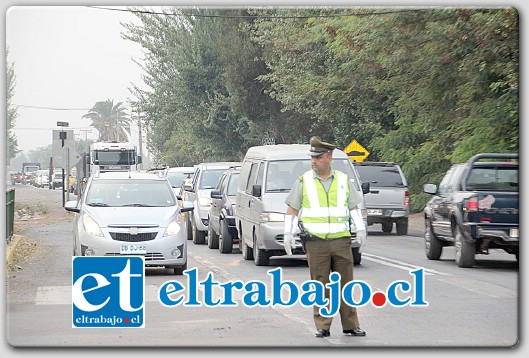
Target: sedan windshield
point(130, 193)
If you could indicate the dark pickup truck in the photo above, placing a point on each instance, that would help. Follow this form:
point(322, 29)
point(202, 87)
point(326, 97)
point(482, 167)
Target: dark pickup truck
point(474, 209)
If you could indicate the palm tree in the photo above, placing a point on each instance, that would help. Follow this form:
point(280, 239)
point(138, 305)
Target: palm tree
point(110, 120)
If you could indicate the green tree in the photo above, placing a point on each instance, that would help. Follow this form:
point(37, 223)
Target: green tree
point(422, 87)
point(110, 120)
point(12, 114)
point(188, 106)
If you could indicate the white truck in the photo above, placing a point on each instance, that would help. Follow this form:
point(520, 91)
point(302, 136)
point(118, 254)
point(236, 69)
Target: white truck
point(113, 156)
point(102, 157)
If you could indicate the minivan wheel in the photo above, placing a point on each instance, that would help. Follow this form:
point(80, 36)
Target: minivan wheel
point(260, 256)
point(213, 238)
point(247, 252)
point(225, 240)
point(199, 237)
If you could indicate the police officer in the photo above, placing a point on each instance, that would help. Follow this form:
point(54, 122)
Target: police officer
point(324, 200)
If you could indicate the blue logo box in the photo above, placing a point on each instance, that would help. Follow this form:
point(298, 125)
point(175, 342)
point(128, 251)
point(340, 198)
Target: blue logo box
point(108, 292)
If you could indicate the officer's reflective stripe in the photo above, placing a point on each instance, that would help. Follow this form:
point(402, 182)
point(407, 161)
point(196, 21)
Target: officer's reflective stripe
point(312, 192)
point(319, 212)
point(324, 228)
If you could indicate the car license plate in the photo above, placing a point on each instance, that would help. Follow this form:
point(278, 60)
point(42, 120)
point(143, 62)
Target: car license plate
point(374, 212)
point(513, 233)
point(129, 249)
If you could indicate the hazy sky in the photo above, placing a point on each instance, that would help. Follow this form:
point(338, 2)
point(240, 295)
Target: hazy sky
point(67, 58)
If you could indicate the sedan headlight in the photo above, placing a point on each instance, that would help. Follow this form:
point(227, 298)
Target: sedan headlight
point(272, 217)
point(172, 229)
point(90, 226)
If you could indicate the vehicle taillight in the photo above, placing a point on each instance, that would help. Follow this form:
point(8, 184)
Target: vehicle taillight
point(406, 198)
point(472, 204)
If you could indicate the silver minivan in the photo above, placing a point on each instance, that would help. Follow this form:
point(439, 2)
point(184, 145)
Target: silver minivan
point(267, 175)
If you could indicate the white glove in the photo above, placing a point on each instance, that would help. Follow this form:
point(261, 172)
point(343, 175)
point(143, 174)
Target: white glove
point(361, 230)
point(361, 236)
point(288, 238)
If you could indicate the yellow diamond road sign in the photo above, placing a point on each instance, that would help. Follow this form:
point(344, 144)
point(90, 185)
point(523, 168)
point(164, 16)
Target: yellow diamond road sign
point(356, 152)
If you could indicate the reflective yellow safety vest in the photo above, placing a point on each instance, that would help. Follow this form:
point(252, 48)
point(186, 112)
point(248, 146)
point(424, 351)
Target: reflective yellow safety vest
point(325, 214)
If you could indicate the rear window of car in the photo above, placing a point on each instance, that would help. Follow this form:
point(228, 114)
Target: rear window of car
point(383, 176)
point(140, 193)
point(177, 178)
point(493, 178)
point(210, 178)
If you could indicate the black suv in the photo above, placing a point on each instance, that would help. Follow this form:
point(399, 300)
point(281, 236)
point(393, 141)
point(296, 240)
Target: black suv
point(222, 230)
point(388, 200)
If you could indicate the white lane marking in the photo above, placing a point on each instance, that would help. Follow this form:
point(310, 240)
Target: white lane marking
point(400, 264)
point(483, 288)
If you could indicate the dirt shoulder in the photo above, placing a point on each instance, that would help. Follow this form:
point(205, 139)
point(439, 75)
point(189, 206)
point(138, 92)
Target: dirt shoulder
point(33, 207)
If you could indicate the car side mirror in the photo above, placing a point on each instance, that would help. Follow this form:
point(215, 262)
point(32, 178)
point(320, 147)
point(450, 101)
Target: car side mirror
point(256, 190)
point(72, 206)
point(188, 187)
point(187, 206)
point(215, 194)
point(366, 187)
point(430, 189)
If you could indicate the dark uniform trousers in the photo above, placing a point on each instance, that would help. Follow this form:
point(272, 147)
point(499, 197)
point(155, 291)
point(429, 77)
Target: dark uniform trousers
point(325, 256)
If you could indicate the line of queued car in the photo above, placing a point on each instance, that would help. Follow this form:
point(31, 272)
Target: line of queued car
point(244, 202)
point(223, 204)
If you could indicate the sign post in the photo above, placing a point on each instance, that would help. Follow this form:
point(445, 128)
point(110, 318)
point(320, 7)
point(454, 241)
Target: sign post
point(62, 137)
point(356, 152)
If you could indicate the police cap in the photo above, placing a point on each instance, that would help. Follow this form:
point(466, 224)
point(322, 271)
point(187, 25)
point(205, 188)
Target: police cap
point(317, 147)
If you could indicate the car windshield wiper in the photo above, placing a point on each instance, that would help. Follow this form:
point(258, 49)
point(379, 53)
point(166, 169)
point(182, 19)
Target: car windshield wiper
point(139, 205)
point(98, 204)
point(281, 190)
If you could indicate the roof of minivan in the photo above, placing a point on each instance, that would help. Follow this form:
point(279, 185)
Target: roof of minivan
point(286, 151)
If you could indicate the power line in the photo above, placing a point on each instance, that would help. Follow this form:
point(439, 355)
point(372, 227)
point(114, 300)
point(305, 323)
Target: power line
point(57, 108)
point(356, 14)
point(52, 108)
point(49, 129)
